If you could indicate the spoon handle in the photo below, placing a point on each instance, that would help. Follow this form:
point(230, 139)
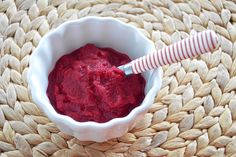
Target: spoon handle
point(192, 46)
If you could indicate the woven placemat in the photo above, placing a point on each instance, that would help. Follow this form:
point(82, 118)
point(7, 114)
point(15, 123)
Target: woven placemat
point(194, 113)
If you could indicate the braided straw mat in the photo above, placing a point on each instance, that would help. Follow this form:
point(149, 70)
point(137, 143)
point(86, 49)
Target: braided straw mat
point(194, 113)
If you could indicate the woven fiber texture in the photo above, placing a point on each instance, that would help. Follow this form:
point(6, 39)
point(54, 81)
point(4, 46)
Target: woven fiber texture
point(194, 113)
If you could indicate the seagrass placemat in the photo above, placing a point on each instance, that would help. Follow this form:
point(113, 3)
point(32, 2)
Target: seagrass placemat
point(194, 113)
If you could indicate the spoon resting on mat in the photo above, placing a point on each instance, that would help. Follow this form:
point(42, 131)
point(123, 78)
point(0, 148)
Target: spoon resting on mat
point(190, 47)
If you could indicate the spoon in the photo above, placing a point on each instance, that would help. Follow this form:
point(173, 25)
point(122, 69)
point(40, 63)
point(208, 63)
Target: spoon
point(190, 47)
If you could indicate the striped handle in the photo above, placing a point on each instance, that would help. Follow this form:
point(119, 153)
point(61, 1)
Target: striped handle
point(200, 43)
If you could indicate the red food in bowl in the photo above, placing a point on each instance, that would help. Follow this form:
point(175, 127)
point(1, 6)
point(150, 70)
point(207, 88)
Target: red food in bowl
point(87, 85)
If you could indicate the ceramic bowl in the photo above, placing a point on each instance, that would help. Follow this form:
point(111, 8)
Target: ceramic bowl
point(103, 32)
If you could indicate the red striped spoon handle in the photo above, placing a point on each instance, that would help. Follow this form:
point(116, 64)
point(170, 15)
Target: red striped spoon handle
point(192, 46)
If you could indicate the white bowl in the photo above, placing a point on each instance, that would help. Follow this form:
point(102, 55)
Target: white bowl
point(103, 32)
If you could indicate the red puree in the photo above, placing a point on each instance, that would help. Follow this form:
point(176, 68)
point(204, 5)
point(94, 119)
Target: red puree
point(87, 85)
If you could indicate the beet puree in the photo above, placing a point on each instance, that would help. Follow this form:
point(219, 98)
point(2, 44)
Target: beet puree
point(87, 85)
